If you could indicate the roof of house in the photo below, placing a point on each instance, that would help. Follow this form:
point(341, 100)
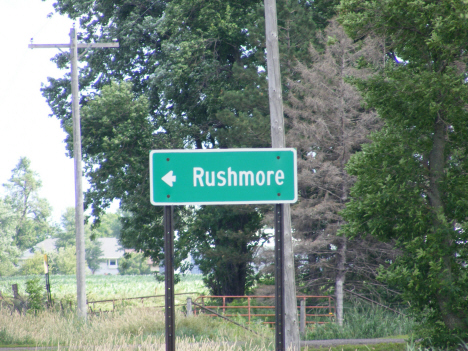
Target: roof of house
point(110, 248)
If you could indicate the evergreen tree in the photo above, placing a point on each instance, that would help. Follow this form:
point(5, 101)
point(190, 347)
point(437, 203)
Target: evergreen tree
point(412, 183)
point(327, 124)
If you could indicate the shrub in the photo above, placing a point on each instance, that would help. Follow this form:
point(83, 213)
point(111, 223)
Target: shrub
point(35, 292)
point(33, 265)
point(134, 264)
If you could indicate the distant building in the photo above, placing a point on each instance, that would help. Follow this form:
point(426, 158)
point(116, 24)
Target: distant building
point(112, 253)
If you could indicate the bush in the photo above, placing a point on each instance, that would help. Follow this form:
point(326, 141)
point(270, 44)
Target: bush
point(64, 261)
point(33, 265)
point(35, 291)
point(134, 264)
point(363, 322)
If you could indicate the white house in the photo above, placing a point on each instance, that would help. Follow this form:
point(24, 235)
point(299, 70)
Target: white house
point(112, 253)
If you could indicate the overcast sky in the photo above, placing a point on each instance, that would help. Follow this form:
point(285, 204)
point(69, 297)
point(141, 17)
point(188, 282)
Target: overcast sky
point(25, 126)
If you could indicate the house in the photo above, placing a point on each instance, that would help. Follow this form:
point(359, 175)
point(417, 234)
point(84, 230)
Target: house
point(112, 253)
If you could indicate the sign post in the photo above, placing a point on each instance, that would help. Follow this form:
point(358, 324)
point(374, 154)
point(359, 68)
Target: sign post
point(169, 276)
point(223, 177)
point(47, 281)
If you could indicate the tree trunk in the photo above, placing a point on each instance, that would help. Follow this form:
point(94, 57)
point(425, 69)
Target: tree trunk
point(436, 173)
point(340, 279)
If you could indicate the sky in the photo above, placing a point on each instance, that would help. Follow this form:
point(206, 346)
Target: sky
point(25, 126)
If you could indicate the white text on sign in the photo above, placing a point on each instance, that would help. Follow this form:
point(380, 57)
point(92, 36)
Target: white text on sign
point(232, 178)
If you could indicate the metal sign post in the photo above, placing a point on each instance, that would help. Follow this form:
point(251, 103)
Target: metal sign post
point(169, 276)
point(279, 278)
point(47, 281)
point(222, 177)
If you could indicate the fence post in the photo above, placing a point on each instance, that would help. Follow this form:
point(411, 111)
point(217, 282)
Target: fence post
point(302, 317)
point(248, 302)
point(15, 291)
point(189, 307)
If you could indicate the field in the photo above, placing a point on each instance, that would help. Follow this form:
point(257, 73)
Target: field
point(138, 325)
point(110, 287)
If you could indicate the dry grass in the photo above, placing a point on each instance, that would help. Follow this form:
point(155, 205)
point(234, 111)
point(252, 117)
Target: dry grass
point(137, 328)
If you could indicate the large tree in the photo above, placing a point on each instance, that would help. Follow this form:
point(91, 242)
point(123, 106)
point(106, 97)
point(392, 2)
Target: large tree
point(200, 67)
point(412, 180)
point(327, 124)
point(31, 212)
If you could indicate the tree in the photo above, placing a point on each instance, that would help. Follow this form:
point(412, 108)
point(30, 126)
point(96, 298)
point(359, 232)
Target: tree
point(224, 240)
point(63, 261)
point(134, 264)
point(94, 255)
point(34, 265)
point(31, 212)
point(412, 180)
point(327, 124)
point(66, 238)
point(109, 226)
point(8, 250)
point(198, 79)
point(66, 235)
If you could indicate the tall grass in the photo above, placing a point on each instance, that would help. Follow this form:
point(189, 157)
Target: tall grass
point(139, 328)
point(363, 322)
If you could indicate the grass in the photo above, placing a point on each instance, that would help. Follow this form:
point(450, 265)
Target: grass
point(363, 322)
point(139, 328)
point(143, 327)
point(377, 347)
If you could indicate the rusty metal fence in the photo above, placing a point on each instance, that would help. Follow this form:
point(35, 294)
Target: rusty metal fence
point(142, 300)
point(318, 309)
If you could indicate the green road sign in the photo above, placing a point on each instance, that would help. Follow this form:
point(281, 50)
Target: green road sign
point(223, 176)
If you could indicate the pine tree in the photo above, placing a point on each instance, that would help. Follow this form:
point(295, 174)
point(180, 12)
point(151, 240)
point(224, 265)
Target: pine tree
point(327, 124)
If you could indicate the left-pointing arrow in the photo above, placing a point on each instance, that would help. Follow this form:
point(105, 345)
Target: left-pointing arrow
point(169, 178)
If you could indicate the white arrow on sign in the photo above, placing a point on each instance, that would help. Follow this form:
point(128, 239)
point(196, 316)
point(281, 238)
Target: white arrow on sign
point(169, 178)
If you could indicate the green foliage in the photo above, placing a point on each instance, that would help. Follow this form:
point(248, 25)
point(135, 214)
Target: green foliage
point(63, 261)
point(31, 213)
point(412, 181)
point(105, 287)
point(363, 322)
point(109, 226)
point(133, 264)
point(93, 255)
point(36, 297)
point(196, 73)
point(373, 347)
point(224, 240)
point(8, 250)
point(34, 265)
point(9, 340)
point(67, 235)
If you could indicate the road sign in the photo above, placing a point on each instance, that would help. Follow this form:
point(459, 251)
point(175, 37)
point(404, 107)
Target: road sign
point(223, 176)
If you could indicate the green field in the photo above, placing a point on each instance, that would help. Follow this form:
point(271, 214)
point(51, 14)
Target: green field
point(145, 326)
point(110, 287)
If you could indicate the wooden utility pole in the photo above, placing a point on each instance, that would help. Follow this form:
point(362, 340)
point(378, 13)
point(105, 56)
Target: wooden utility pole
point(290, 330)
point(79, 216)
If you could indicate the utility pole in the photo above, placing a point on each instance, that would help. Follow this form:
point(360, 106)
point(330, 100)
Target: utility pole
point(290, 330)
point(79, 217)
